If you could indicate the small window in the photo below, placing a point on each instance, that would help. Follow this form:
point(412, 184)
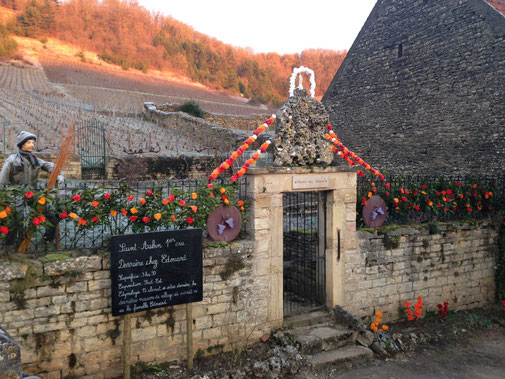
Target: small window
point(400, 50)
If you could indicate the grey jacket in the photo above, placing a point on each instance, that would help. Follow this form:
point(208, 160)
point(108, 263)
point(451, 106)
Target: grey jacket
point(18, 170)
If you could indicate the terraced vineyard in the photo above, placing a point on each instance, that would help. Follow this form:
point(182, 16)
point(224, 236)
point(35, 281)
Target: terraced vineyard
point(126, 91)
point(23, 108)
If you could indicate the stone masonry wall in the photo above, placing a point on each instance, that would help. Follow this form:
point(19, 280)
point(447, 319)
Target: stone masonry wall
point(204, 135)
point(60, 314)
point(421, 89)
point(454, 265)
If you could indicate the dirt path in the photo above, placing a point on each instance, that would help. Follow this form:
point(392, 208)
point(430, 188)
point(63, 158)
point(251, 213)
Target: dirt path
point(480, 356)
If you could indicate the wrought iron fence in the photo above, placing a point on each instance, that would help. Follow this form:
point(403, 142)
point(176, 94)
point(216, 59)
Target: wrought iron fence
point(416, 209)
point(57, 233)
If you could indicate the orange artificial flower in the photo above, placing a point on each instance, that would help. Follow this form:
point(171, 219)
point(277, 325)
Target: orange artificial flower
point(72, 215)
point(42, 201)
point(94, 203)
point(222, 190)
point(194, 208)
point(142, 201)
point(378, 314)
point(194, 196)
point(82, 222)
point(3, 214)
point(134, 210)
point(226, 201)
point(8, 209)
point(157, 216)
point(113, 213)
point(369, 194)
point(42, 219)
point(124, 212)
point(385, 327)
point(240, 203)
point(242, 208)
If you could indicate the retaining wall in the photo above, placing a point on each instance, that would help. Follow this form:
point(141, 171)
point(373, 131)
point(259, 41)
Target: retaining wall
point(456, 264)
point(60, 314)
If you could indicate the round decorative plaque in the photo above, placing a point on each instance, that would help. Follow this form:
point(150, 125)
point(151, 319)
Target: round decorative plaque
point(224, 223)
point(374, 212)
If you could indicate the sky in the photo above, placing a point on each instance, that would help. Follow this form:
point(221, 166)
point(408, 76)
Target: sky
point(296, 25)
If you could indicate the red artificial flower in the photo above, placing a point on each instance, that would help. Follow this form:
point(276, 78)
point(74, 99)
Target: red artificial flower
point(425, 186)
point(64, 214)
point(129, 198)
point(76, 197)
point(133, 218)
point(411, 317)
point(182, 202)
point(404, 198)
point(388, 185)
point(146, 219)
point(387, 193)
point(36, 221)
point(29, 195)
point(149, 192)
point(4, 230)
point(190, 220)
point(106, 196)
point(171, 197)
point(142, 200)
point(95, 219)
point(417, 207)
point(458, 184)
point(210, 185)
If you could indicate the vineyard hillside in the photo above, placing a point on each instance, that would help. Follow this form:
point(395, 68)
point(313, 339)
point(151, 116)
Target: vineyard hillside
point(128, 36)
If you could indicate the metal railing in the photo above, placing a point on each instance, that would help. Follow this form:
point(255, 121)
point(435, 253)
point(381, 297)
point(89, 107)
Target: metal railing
point(59, 233)
point(409, 215)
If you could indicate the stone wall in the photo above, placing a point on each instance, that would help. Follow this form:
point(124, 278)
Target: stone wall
point(202, 134)
point(178, 167)
point(421, 90)
point(60, 314)
point(456, 264)
point(246, 122)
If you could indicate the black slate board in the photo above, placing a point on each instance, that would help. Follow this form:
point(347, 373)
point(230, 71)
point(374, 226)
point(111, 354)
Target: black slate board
point(154, 270)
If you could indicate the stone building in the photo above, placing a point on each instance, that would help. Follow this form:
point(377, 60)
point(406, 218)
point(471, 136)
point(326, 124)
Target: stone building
point(422, 89)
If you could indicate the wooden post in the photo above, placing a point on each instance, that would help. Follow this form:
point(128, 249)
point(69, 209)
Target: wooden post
point(189, 332)
point(127, 339)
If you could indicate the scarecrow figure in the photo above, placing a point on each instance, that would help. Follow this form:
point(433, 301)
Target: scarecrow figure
point(23, 167)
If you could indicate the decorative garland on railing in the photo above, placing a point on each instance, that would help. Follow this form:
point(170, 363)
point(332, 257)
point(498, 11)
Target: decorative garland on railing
point(348, 155)
point(229, 162)
point(251, 161)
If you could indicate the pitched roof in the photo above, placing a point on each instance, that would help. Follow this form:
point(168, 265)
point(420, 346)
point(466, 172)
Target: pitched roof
point(499, 5)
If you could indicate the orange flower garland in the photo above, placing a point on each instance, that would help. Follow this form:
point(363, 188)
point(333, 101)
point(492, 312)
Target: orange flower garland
point(251, 161)
point(229, 162)
point(348, 155)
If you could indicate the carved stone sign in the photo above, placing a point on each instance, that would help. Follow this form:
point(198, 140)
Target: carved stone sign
point(154, 270)
point(310, 181)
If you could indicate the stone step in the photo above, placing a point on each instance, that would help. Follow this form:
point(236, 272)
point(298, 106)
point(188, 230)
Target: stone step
point(314, 339)
point(311, 318)
point(343, 357)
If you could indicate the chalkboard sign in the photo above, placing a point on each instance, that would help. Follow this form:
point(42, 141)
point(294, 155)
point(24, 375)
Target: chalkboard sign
point(154, 270)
